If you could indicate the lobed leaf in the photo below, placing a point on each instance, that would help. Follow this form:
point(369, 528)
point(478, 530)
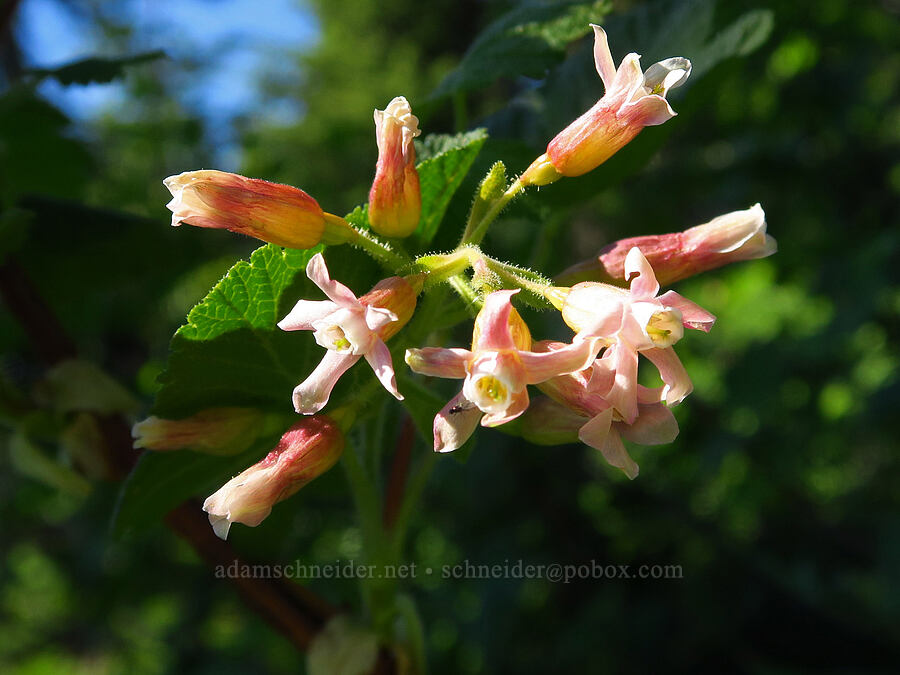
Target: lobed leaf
point(230, 351)
point(526, 41)
point(449, 159)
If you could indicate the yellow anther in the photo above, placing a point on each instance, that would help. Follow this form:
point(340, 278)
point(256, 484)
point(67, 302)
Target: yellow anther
point(492, 388)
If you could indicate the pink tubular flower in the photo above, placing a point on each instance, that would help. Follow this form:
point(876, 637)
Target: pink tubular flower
point(279, 214)
point(394, 200)
point(633, 100)
point(735, 236)
point(496, 371)
point(217, 431)
point(349, 328)
point(306, 450)
point(632, 321)
point(549, 422)
point(581, 409)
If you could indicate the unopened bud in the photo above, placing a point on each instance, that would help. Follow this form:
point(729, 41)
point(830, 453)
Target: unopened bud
point(307, 450)
point(491, 189)
point(395, 202)
point(735, 236)
point(279, 214)
point(397, 295)
point(216, 431)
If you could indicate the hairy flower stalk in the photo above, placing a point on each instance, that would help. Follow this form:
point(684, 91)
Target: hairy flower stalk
point(633, 99)
point(495, 371)
point(395, 202)
point(278, 214)
point(306, 450)
point(634, 321)
point(349, 328)
point(735, 236)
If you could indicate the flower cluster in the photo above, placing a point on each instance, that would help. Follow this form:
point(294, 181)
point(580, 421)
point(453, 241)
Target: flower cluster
point(589, 385)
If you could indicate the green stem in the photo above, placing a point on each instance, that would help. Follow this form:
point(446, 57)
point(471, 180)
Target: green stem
point(514, 276)
point(384, 253)
point(414, 488)
point(379, 592)
point(476, 230)
point(470, 296)
point(364, 496)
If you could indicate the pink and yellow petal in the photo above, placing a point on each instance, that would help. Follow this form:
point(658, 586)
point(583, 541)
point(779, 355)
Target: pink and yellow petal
point(317, 272)
point(438, 361)
point(305, 312)
point(379, 357)
point(455, 423)
point(311, 395)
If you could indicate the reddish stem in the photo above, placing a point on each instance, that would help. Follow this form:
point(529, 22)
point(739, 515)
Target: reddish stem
point(393, 498)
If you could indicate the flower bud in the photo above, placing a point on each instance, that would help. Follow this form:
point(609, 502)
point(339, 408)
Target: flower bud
point(547, 422)
point(491, 189)
point(279, 214)
point(396, 295)
point(216, 431)
point(394, 200)
point(307, 450)
point(735, 236)
point(632, 100)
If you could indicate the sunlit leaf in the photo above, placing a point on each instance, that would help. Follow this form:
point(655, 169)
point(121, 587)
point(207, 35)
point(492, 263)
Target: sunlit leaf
point(449, 159)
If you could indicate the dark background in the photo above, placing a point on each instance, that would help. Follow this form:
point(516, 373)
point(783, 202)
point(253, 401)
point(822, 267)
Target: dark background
point(778, 500)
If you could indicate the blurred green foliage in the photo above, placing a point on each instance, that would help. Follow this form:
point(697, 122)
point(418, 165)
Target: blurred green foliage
point(779, 497)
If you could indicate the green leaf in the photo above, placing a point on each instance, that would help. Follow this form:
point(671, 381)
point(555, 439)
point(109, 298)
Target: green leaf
point(14, 225)
point(526, 41)
point(744, 36)
point(449, 159)
point(359, 217)
point(31, 131)
point(687, 28)
point(95, 69)
point(230, 351)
